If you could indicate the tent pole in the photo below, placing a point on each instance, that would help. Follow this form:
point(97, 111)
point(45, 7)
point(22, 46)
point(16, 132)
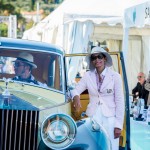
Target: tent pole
point(125, 43)
point(125, 51)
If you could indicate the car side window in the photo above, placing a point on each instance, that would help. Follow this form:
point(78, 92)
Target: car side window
point(6, 65)
point(55, 72)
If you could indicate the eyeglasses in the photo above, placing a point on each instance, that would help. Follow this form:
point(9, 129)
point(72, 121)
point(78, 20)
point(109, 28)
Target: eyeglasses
point(17, 64)
point(100, 56)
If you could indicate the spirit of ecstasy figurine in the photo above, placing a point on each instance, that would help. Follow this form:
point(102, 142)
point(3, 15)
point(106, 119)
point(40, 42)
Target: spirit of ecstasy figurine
point(6, 93)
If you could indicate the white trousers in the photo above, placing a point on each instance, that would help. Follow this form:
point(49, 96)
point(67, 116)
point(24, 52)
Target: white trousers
point(108, 124)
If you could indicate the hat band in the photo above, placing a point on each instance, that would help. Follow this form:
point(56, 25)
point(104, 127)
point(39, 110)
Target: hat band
point(22, 59)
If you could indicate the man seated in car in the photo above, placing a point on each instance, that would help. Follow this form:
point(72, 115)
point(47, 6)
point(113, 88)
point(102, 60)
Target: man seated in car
point(23, 66)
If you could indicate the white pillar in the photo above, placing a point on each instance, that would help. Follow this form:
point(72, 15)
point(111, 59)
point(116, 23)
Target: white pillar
point(125, 43)
point(12, 27)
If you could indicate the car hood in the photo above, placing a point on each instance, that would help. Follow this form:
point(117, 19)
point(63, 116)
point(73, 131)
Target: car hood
point(24, 96)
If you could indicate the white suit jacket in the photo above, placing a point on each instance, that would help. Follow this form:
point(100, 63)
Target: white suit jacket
point(110, 97)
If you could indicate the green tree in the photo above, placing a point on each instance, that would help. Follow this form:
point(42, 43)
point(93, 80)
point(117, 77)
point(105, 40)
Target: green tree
point(3, 29)
point(14, 7)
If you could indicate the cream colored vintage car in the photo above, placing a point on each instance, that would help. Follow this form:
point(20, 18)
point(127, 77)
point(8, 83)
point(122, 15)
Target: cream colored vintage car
point(41, 116)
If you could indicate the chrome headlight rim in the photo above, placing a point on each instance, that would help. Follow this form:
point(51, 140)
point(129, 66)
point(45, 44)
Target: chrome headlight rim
point(58, 131)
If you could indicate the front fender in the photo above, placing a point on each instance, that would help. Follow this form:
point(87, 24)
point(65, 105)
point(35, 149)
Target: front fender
point(87, 138)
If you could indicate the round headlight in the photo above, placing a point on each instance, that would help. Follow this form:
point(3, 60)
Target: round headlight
point(58, 131)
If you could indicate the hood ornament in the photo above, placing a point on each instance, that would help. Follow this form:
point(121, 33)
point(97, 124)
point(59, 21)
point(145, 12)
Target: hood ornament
point(6, 94)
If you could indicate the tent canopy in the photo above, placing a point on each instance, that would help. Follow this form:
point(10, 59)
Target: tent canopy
point(97, 11)
point(137, 15)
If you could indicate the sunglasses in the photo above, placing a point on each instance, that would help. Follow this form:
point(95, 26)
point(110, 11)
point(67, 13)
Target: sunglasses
point(100, 56)
point(139, 76)
point(18, 64)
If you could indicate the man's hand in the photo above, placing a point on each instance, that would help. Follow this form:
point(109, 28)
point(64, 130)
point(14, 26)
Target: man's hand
point(76, 103)
point(117, 132)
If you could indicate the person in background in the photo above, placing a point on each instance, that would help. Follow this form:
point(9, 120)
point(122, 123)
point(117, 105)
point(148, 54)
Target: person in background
point(23, 66)
point(139, 90)
point(147, 87)
point(106, 105)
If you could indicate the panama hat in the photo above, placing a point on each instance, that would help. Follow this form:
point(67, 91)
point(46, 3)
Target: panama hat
point(97, 50)
point(26, 58)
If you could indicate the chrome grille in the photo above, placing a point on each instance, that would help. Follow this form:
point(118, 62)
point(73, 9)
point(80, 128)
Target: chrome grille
point(18, 129)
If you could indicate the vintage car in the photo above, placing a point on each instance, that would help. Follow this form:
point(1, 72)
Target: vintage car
point(41, 116)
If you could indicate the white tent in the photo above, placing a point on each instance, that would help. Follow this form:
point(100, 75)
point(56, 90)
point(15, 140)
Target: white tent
point(79, 16)
point(137, 16)
point(76, 22)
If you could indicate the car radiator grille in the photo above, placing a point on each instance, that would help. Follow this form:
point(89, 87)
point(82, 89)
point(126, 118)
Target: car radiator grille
point(18, 129)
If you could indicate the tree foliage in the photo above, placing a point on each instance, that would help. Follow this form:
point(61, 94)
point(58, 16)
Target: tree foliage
point(14, 7)
point(3, 29)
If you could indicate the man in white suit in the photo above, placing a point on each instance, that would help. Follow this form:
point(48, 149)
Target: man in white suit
point(105, 89)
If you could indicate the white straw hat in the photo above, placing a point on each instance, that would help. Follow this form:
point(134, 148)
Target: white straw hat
point(26, 58)
point(97, 50)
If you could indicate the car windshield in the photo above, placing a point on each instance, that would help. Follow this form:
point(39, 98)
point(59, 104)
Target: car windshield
point(48, 72)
